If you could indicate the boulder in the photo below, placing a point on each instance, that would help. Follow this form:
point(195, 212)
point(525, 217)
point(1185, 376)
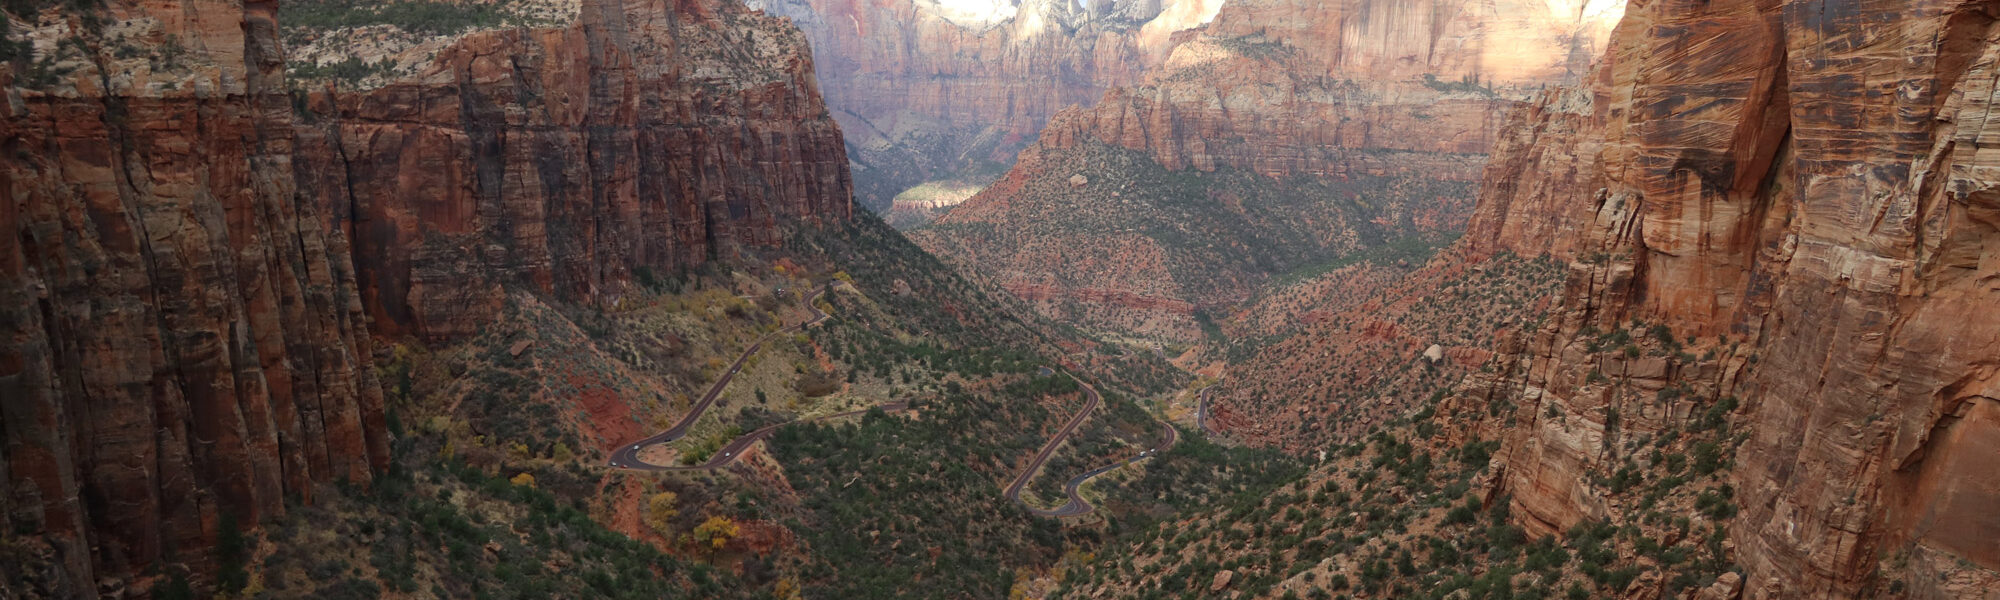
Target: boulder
point(1435, 354)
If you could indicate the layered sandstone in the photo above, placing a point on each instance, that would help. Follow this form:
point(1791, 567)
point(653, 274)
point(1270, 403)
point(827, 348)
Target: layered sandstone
point(1803, 187)
point(929, 90)
point(196, 259)
point(642, 137)
point(1287, 87)
point(183, 339)
point(1341, 108)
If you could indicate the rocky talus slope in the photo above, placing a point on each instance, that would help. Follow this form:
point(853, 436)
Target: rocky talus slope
point(946, 91)
point(1798, 192)
point(1362, 121)
point(196, 259)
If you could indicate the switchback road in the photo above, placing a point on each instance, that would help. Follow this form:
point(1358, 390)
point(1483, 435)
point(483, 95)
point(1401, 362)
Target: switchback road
point(728, 454)
point(1076, 505)
point(627, 456)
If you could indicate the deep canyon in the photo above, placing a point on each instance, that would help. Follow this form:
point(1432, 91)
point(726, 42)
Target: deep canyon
point(946, 299)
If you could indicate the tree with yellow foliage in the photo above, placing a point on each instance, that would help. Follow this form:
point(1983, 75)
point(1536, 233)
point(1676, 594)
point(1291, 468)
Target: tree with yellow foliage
point(524, 479)
point(660, 512)
point(717, 531)
point(787, 589)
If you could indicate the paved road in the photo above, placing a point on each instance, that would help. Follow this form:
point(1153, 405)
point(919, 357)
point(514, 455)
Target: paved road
point(728, 454)
point(1201, 413)
point(1076, 505)
point(1014, 490)
point(627, 456)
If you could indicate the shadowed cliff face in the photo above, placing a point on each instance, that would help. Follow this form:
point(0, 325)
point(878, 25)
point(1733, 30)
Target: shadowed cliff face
point(563, 160)
point(195, 263)
point(1805, 180)
point(182, 340)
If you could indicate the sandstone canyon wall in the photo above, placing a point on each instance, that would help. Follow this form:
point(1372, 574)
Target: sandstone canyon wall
point(196, 259)
point(641, 137)
point(1290, 88)
point(183, 339)
point(1355, 109)
point(928, 90)
point(1801, 189)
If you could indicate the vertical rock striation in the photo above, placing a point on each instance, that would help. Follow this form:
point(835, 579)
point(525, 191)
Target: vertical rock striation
point(183, 341)
point(1284, 87)
point(1806, 181)
point(643, 136)
point(196, 261)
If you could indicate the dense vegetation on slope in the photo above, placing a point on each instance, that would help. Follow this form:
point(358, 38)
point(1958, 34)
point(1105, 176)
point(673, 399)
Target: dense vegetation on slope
point(439, 527)
point(1328, 358)
point(910, 508)
point(1410, 513)
point(925, 295)
point(500, 489)
point(1195, 475)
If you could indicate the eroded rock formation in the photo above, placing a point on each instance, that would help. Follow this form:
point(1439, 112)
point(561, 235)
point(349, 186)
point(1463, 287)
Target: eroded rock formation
point(562, 160)
point(1802, 188)
point(1349, 112)
point(1287, 87)
point(196, 259)
point(183, 340)
point(929, 90)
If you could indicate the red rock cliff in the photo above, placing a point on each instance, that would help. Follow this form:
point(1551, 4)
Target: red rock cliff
point(195, 262)
point(928, 90)
point(643, 136)
point(1805, 182)
point(182, 339)
point(1362, 96)
point(1286, 87)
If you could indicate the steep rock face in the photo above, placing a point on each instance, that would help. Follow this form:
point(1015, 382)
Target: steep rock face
point(1284, 87)
point(196, 260)
point(565, 160)
point(183, 340)
point(1353, 111)
point(1804, 182)
point(1547, 150)
point(930, 90)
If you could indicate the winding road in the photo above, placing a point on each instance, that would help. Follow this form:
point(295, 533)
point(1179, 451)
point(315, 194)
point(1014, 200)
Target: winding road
point(728, 454)
point(627, 456)
point(1076, 505)
point(1201, 412)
